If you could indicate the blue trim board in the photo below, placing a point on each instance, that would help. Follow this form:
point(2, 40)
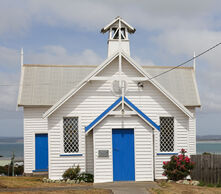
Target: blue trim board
point(142, 114)
point(71, 154)
point(167, 154)
point(40, 170)
point(102, 115)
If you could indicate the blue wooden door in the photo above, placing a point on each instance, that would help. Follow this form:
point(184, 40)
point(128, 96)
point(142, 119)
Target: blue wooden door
point(41, 152)
point(123, 154)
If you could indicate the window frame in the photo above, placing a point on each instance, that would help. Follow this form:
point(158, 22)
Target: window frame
point(174, 140)
point(62, 153)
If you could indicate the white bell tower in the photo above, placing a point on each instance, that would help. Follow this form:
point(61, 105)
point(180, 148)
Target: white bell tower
point(118, 36)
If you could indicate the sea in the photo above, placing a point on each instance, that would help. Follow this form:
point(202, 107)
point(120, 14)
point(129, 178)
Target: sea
point(7, 149)
point(208, 146)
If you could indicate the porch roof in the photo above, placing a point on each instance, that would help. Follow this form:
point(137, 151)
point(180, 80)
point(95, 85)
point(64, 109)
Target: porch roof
point(104, 114)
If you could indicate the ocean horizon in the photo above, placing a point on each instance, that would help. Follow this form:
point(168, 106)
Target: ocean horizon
point(7, 148)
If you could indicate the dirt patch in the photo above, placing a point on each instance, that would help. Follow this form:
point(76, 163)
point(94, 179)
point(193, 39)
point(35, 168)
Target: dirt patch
point(174, 188)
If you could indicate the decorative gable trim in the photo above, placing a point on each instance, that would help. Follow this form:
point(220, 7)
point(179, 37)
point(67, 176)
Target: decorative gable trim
point(107, 27)
point(115, 104)
point(158, 86)
point(100, 68)
point(102, 115)
point(144, 116)
point(79, 86)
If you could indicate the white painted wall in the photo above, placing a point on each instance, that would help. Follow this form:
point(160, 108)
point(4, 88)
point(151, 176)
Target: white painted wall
point(89, 153)
point(143, 142)
point(90, 102)
point(57, 163)
point(33, 123)
point(113, 46)
point(192, 133)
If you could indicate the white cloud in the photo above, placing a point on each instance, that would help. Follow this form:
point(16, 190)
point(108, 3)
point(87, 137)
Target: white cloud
point(146, 14)
point(53, 54)
point(50, 54)
point(209, 86)
point(183, 43)
point(177, 28)
point(142, 62)
point(8, 90)
point(92, 15)
point(9, 57)
point(179, 42)
point(15, 17)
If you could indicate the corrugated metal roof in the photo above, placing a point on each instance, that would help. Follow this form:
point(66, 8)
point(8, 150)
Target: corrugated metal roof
point(180, 82)
point(44, 85)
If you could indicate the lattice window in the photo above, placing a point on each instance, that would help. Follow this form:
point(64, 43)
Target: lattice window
point(70, 135)
point(166, 134)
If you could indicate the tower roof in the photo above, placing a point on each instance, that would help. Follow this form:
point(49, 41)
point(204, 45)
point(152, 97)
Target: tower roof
point(118, 19)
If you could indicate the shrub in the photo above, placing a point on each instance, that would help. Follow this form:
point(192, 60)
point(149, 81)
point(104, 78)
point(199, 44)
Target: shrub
point(206, 153)
point(178, 167)
point(210, 185)
point(86, 177)
point(72, 173)
point(202, 184)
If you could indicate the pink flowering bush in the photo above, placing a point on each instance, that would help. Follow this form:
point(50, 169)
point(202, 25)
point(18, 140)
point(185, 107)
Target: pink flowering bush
point(178, 167)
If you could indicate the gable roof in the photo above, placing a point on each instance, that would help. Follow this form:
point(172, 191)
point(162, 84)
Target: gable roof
point(129, 27)
point(44, 85)
point(102, 66)
point(159, 86)
point(181, 83)
point(114, 105)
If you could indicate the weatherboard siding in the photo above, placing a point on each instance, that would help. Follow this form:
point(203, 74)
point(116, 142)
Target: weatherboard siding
point(180, 141)
point(58, 162)
point(89, 153)
point(33, 123)
point(142, 147)
point(89, 102)
point(192, 133)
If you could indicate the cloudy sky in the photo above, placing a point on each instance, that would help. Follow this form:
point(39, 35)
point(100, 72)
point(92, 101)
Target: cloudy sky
point(67, 32)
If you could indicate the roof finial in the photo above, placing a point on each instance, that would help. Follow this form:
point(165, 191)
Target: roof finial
point(22, 57)
point(194, 61)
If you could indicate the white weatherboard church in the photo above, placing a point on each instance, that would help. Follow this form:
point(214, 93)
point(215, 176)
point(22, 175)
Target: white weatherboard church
point(112, 119)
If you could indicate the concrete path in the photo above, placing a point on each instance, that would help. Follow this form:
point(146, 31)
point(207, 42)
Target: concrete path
point(127, 187)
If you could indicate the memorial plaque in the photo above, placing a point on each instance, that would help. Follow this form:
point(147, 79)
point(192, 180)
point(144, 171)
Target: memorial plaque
point(103, 153)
